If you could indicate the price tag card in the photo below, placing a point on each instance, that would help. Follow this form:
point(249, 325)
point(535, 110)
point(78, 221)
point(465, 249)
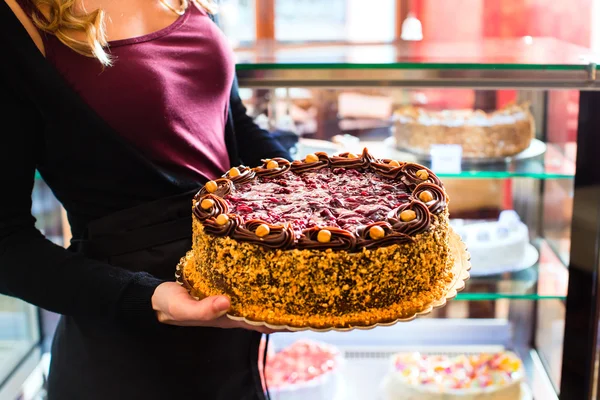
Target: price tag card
point(446, 158)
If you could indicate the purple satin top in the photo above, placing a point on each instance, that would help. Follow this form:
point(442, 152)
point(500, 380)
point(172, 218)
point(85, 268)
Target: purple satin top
point(167, 92)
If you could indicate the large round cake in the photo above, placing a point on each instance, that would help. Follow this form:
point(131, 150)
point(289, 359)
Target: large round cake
point(341, 241)
point(501, 133)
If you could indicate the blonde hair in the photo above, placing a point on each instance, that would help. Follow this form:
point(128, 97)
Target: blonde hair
point(59, 19)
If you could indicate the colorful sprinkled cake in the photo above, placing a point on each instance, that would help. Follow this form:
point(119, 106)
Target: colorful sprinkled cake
point(493, 376)
point(325, 242)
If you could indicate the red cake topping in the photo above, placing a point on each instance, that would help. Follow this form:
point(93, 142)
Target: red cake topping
point(341, 198)
point(357, 200)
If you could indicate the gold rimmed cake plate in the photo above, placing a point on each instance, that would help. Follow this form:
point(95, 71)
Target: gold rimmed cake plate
point(460, 272)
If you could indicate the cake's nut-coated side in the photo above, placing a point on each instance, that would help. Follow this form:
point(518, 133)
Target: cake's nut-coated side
point(324, 236)
point(207, 204)
point(263, 230)
point(222, 219)
point(360, 289)
point(376, 233)
point(408, 215)
point(426, 196)
point(422, 174)
point(211, 186)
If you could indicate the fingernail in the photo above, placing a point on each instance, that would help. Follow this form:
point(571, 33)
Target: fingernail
point(221, 303)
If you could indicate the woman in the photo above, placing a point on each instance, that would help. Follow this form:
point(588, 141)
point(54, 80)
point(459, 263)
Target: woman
point(125, 108)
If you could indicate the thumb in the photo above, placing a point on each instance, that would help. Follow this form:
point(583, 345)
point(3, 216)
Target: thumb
point(210, 308)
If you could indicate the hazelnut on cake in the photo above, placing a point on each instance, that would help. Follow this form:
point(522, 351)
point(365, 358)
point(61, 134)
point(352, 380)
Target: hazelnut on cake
point(341, 241)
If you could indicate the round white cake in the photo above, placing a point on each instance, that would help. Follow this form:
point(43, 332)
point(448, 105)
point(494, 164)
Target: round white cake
point(495, 246)
point(304, 370)
point(416, 376)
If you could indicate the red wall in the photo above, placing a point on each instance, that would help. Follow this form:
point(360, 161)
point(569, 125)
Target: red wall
point(460, 20)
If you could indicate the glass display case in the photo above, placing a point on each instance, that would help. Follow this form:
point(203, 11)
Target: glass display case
point(19, 335)
point(344, 96)
point(544, 307)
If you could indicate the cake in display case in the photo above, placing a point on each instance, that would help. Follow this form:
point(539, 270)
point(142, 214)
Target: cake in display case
point(502, 133)
point(497, 246)
point(490, 335)
point(483, 376)
point(305, 369)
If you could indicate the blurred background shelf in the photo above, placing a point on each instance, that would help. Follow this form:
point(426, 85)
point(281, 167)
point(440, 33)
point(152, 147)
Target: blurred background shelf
point(526, 62)
point(552, 164)
point(547, 279)
point(523, 53)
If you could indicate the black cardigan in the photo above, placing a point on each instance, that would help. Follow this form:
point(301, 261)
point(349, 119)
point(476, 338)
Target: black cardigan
point(91, 170)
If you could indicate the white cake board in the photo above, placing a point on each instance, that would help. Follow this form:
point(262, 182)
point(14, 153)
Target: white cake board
point(529, 259)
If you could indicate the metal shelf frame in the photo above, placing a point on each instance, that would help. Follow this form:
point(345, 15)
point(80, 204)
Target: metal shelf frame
point(412, 76)
point(580, 377)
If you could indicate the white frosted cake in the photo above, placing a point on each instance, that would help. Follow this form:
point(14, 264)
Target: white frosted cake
point(495, 245)
point(416, 376)
point(304, 370)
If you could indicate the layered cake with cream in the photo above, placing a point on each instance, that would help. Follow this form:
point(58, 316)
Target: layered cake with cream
point(502, 133)
point(495, 246)
point(485, 376)
point(306, 369)
point(342, 241)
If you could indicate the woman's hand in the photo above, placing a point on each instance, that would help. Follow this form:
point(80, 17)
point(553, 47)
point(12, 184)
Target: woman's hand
point(174, 306)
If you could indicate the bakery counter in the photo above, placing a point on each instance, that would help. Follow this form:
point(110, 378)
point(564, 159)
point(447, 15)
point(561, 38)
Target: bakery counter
point(375, 364)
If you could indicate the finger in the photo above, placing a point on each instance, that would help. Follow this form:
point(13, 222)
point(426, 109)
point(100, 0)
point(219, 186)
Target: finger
point(204, 310)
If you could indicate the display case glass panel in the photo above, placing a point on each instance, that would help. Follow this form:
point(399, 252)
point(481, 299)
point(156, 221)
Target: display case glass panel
point(515, 308)
point(24, 327)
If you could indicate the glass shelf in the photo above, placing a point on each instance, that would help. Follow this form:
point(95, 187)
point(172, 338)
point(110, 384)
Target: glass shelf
point(484, 63)
point(551, 165)
point(547, 279)
point(540, 53)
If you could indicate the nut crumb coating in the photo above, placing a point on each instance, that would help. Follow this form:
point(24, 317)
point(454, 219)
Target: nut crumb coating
point(322, 288)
